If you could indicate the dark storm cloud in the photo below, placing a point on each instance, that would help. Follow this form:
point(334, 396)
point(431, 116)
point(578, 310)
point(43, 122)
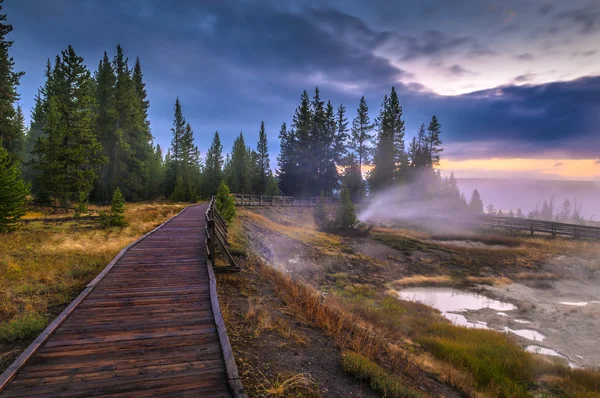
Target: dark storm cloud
point(587, 18)
point(435, 44)
point(525, 120)
point(233, 64)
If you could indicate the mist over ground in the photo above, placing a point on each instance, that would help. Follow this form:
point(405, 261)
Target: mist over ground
point(509, 195)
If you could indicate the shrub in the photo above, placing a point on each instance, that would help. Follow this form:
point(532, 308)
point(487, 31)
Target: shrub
point(26, 327)
point(225, 203)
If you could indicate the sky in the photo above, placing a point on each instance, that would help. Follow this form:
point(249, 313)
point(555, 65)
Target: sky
point(515, 84)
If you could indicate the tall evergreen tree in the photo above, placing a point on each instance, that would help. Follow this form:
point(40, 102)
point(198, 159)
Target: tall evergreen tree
point(361, 133)
point(13, 192)
point(176, 152)
point(434, 142)
point(390, 158)
point(476, 204)
point(106, 130)
point(263, 163)
point(11, 133)
point(238, 173)
point(135, 138)
point(302, 126)
point(213, 167)
point(287, 161)
point(69, 151)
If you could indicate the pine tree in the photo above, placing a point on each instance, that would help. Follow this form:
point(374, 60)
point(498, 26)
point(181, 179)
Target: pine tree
point(11, 132)
point(190, 164)
point(263, 163)
point(13, 192)
point(213, 167)
point(36, 128)
point(68, 154)
point(382, 174)
point(156, 173)
point(106, 130)
point(320, 213)
point(302, 126)
point(272, 189)
point(361, 133)
point(520, 213)
point(476, 204)
point(433, 142)
point(132, 130)
point(287, 161)
point(176, 152)
point(352, 178)
point(225, 203)
point(116, 216)
point(238, 171)
point(346, 214)
point(180, 192)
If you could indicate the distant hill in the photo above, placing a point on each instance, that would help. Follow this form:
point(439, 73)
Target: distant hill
point(508, 194)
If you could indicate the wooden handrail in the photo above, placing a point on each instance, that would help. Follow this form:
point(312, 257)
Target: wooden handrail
point(216, 233)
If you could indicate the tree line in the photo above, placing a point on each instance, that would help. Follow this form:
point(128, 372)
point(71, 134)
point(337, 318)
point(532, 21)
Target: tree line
point(90, 136)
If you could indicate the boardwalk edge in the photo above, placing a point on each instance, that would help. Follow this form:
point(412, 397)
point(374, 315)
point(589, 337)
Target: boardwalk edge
point(233, 378)
point(8, 375)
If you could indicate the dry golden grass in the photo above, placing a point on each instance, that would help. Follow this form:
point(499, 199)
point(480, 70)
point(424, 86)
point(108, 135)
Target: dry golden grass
point(289, 385)
point(44, 266)
point(423, 280)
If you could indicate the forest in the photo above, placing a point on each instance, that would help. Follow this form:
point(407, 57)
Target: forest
point(90, 134)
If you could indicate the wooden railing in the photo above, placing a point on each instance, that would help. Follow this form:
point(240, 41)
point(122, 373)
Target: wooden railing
point(550, 227)
point(216, 236)
point(263, 200)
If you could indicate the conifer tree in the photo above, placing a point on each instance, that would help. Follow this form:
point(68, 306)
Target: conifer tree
point(272, 189)
point(238, 171)
point(361, 133)
point(176, 151)
point(225, 203)
point(287, 161)
point(352, 178)
point(13, 192)
point(68, 154)
point(213, 167)
point(180, 192)
point(116, 216)
point(106, 130)
point(434, 142)
point(320, 214)
point(302, 125)
point(476, 204)
point(11, 132)
point(263, 163)
point(346, 214)
point(156, 173)
point(520, 213)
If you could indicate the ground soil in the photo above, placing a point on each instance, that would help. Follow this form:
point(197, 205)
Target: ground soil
point(294, 348)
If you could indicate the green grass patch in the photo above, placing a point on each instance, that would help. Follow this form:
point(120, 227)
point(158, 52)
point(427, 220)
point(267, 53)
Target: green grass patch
point(402, 243)
point(497, 364)
point(378, 378)
point(27, 327)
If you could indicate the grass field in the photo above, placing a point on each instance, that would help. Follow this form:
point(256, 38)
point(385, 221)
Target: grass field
point(477, 362)
point(44, 266)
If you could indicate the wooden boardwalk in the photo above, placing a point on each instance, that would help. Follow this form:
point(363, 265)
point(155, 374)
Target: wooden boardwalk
point(148, 325)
